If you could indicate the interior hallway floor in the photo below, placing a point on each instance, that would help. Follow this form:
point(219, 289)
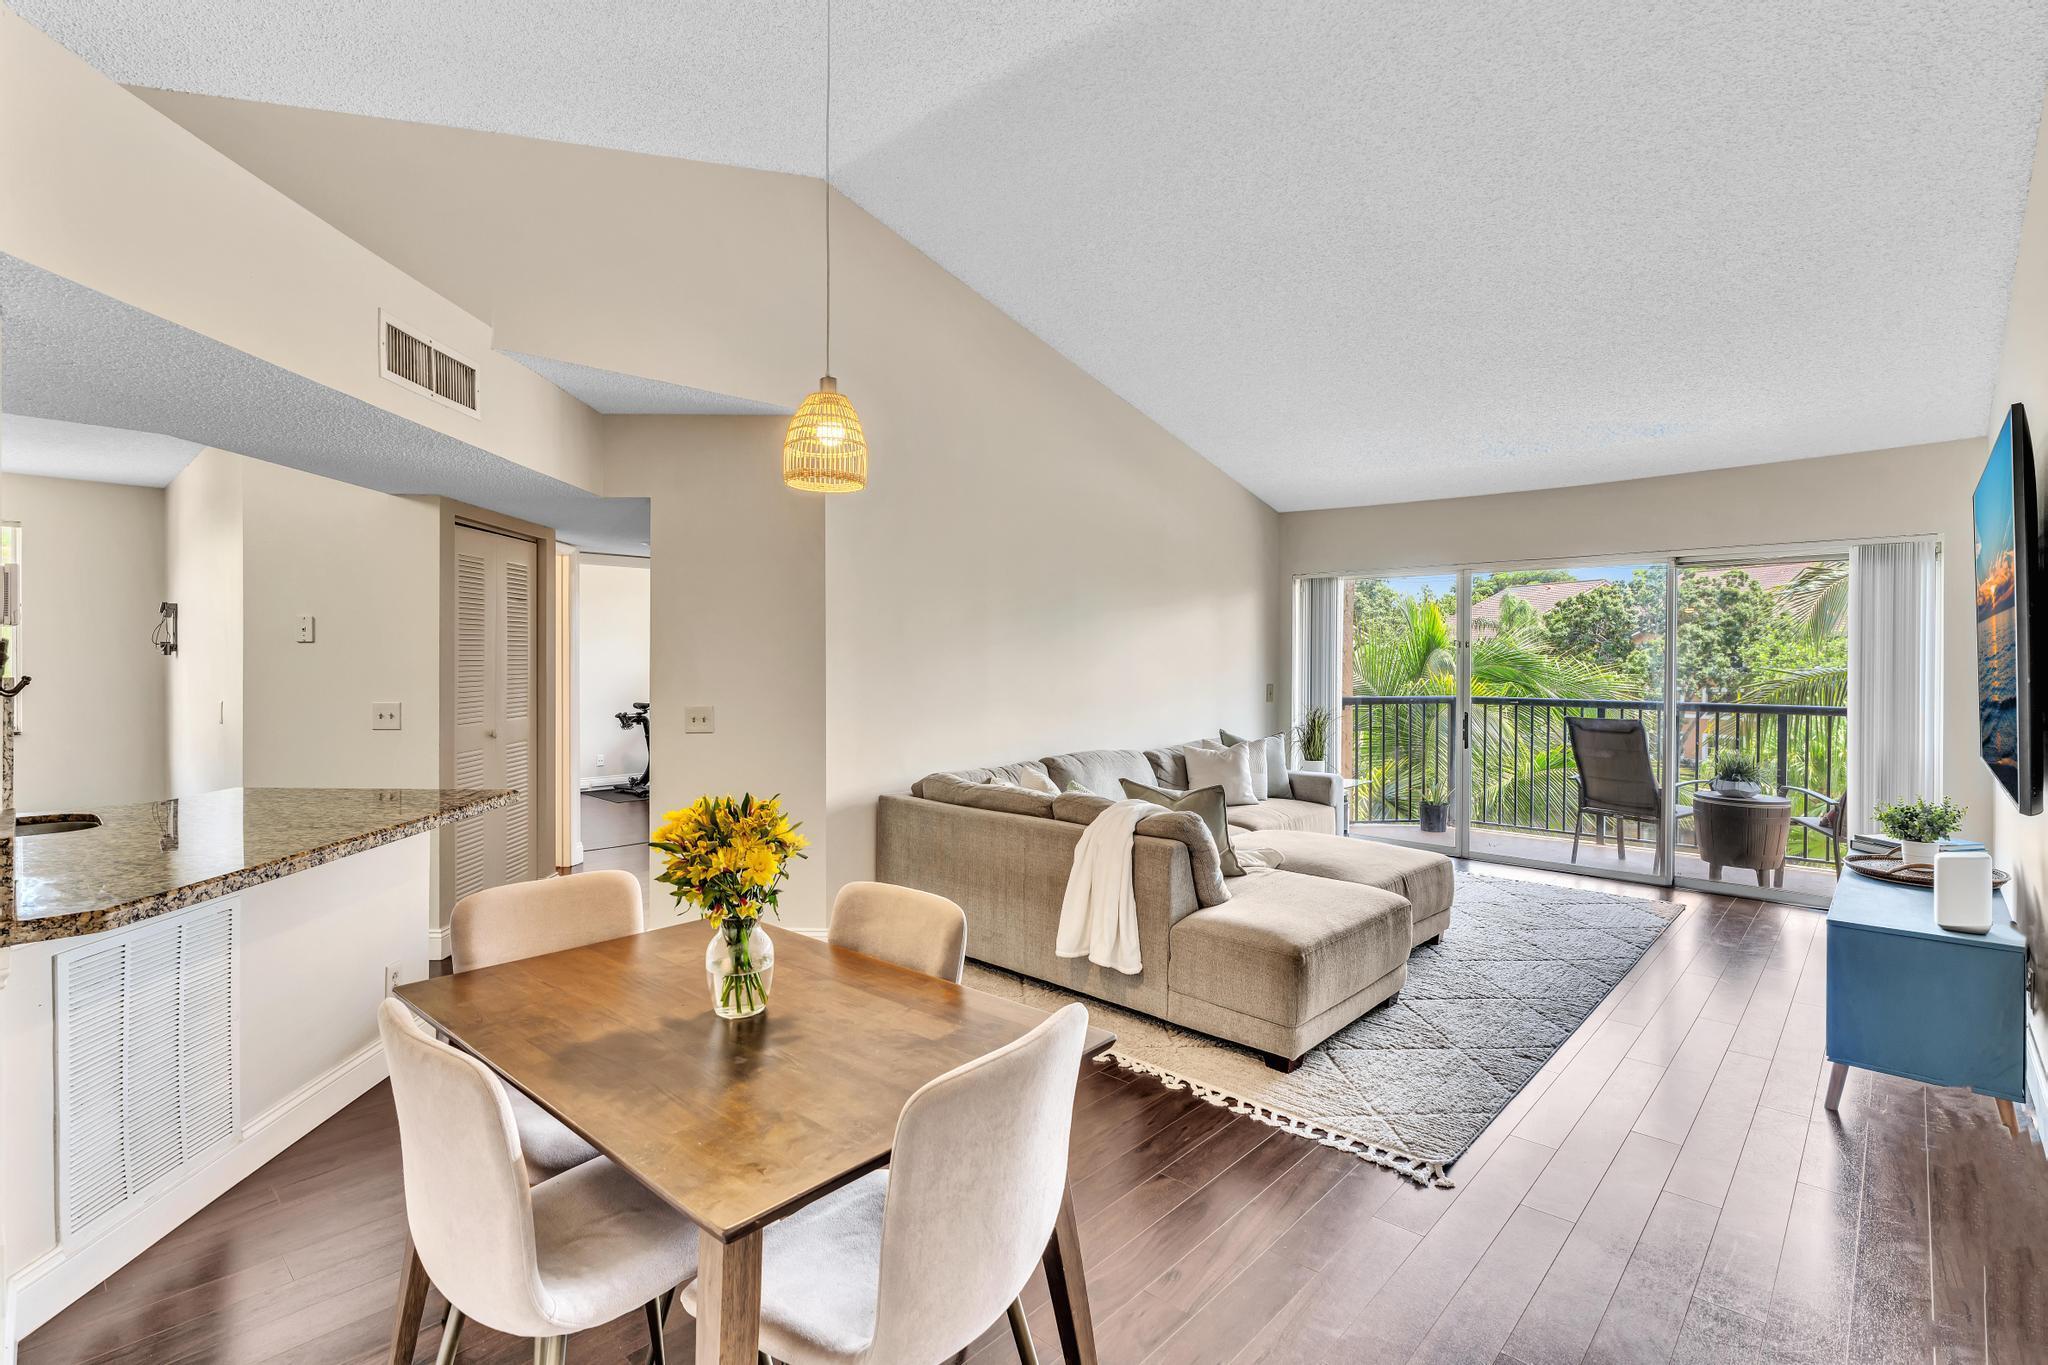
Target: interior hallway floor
point(1668, 1187)
point(615, 835)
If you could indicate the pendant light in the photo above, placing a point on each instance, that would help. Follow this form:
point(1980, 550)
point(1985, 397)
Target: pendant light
point(825, 450)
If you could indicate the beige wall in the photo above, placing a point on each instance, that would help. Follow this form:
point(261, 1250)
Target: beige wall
point(203, 563)
point(1919, 490)
point(365, 566)
point(612, 635)
point(2020, 842)
point(92, 729)
point(103, 190)
point(739, 609)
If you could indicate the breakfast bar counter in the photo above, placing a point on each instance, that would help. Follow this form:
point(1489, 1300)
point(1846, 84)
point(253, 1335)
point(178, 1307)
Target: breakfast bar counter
point(187, 987)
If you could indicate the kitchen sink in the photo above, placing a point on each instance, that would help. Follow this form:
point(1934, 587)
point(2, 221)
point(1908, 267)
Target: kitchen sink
point(68, 824)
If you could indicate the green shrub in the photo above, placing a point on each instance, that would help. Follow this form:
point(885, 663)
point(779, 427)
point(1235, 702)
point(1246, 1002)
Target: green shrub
point(1920, 822)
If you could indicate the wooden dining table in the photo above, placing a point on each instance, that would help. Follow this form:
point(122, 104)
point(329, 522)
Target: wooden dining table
point(735, 1123)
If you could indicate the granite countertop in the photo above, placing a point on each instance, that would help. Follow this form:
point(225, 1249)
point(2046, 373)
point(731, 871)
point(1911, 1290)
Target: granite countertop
point(151, 859)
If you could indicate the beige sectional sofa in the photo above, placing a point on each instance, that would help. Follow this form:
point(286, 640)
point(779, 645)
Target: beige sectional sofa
point(1277, 959)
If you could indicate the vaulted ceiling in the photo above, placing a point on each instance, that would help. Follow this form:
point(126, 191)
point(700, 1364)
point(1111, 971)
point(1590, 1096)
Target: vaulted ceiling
point(1349, 252)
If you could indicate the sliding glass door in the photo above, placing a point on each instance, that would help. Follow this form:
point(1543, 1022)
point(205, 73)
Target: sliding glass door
point(1576, 717)
point(1399, 660)
point(1567, 668)
point(1761, 681)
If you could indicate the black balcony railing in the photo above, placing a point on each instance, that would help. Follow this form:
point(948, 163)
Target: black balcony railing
point(1523, 779)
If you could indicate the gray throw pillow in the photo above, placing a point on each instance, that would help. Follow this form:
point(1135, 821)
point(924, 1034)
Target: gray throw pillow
point(1277, 783)
point(1207, 803)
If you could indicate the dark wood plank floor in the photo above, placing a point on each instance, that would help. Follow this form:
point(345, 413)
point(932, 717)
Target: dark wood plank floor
point(1667, 1188)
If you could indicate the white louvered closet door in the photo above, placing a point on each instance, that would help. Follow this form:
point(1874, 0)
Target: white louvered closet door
point(495, 610)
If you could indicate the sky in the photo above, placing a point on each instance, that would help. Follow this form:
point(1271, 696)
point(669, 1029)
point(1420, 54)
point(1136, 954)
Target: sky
point(1991, 516)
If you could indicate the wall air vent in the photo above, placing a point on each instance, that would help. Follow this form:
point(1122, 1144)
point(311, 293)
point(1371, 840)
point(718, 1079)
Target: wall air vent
point(409, 357)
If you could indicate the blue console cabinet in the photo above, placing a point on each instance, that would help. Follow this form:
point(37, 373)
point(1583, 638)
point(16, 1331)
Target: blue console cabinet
point(1910, 999)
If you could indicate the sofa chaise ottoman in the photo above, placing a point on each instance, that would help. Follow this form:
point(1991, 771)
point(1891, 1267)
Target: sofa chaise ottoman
point(1277, 959)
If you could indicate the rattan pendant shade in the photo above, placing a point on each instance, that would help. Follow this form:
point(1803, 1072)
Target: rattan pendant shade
point(825, 450)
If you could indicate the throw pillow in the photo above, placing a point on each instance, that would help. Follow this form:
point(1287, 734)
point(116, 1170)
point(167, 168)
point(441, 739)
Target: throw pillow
point(1029, 775)
point(1275, 746)
point(1239, 770)
point(1207, 803)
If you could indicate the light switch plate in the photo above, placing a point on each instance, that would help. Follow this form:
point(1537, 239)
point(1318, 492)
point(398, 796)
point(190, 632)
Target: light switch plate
point(1269, 691)
point(305, 636)
point(700, 720)
point(387, 715)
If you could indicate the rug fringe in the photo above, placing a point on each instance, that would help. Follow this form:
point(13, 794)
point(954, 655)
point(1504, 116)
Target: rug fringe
point(1425, 1173)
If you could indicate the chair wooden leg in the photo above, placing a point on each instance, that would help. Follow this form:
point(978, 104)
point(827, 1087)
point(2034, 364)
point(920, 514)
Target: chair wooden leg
point(412, 1300)
point(1020, 1332)
point(2007, 1117)
point(451, 1336)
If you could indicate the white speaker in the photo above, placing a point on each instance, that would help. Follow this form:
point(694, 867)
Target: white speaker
point(1962, 890)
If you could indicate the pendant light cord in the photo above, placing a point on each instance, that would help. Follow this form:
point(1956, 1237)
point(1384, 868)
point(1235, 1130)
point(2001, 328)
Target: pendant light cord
point(828, 186)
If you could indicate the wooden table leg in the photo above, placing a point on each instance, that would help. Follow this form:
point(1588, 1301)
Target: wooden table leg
point(728, 1299)
point(1068, 1280)
point(1839, 1074)
point(412, 1301)
point(2008, 1118)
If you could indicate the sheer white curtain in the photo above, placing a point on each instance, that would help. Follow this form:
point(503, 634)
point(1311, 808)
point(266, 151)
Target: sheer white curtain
point(1320, 632)
point(1894, 676)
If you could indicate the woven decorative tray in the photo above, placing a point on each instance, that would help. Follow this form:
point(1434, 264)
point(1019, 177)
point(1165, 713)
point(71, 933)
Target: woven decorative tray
point(1880, 868)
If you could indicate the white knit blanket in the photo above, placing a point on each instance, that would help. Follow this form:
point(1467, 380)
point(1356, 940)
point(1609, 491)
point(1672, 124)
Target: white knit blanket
point(1099, 916)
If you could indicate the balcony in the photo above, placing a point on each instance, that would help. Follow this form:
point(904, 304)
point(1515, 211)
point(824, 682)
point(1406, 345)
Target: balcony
point(1396, 751)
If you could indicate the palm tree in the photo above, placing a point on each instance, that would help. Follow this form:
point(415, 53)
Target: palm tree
point(1410, 747)
point(1819, 599)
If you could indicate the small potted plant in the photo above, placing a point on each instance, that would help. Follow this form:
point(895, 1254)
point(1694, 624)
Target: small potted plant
point(1312, 736)
point(1920, 826)
point(1737, 774)
point(1436, 806)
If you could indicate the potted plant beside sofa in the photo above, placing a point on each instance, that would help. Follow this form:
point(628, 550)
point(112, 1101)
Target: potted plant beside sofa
point(1312, 737)
point(1435, 809)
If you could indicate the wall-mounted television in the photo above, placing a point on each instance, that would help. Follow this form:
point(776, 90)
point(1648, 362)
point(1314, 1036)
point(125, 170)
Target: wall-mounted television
point(2007, 531)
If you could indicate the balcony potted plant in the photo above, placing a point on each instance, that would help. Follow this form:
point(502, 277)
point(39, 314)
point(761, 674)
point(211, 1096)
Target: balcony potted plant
point(1436, 806)
point(1312, 736)
point(1736, 774)
point(1920, 826)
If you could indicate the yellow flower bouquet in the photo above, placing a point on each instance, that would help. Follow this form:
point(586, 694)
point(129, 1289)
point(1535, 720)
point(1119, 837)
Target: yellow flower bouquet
point(729, 856)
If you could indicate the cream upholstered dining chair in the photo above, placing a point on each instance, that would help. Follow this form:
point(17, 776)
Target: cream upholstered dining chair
point(910, 928)
point(538, 1261)
point(898, 1268)
point(526, 919)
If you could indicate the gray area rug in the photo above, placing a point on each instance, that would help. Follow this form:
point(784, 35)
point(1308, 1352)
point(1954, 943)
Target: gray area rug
point(1414, 1083)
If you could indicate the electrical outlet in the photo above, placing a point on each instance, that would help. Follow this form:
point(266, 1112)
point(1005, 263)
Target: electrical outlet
point(700, 720)
point(305, 635)
point(391, 978)
point(1269, 691)
point(387, 715)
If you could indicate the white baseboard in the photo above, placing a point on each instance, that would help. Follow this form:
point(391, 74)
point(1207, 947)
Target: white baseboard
point(440, 943)
point(58, 1278)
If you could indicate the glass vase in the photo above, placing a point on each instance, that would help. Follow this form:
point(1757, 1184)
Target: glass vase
point(739, 964)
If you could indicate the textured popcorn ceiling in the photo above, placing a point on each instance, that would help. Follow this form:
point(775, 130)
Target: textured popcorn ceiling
point(79, 450)
point(608, 391)
point(76, 356)
point(1349, 252)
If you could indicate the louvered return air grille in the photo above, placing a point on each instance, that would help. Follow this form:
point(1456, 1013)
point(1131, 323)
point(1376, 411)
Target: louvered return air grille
point(414, 359)
point(145, 1062)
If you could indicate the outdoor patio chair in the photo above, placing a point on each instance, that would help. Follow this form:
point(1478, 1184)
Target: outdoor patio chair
point(1615, 779)
point(1827, 820)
